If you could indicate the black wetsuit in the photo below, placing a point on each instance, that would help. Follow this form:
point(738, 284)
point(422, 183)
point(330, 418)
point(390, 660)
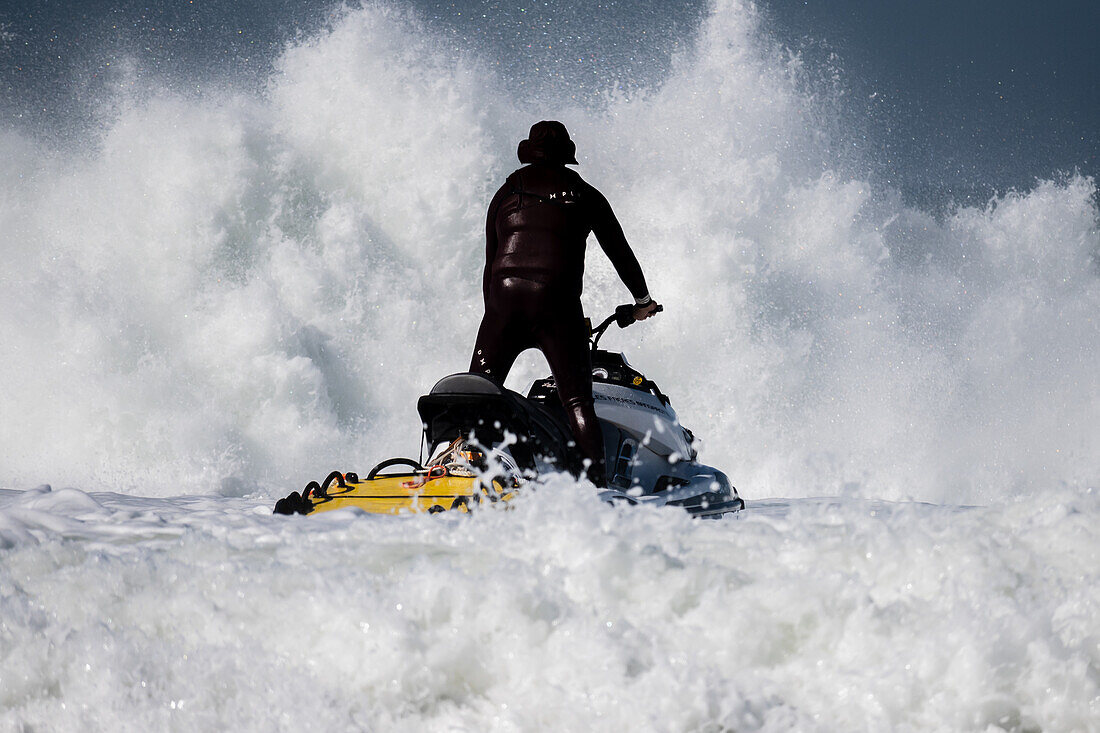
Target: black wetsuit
point(535, 236)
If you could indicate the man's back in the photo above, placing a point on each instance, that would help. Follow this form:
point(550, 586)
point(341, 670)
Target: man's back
point(538, 224)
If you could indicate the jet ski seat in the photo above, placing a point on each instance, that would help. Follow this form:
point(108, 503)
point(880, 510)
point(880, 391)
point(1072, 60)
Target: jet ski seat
point(466, 402)
point(467, 383)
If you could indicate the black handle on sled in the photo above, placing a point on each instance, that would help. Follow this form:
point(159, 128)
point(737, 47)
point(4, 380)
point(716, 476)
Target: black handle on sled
point(393, 462)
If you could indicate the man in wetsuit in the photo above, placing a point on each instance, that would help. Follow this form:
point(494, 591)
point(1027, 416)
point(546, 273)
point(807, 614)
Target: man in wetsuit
point(535, 237)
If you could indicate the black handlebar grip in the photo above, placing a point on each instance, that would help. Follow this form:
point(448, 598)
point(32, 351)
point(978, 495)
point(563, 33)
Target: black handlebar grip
point(624, 314)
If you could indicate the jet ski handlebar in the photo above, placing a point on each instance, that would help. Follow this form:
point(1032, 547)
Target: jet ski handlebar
point(623, 317)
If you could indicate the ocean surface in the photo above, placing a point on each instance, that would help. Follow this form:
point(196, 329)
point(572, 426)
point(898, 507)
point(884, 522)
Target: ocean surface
point(238, 241)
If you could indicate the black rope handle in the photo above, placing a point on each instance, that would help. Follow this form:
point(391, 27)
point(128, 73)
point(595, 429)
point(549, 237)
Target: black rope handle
point(313, 487)
point(334, 476)
point(394, 462)
point(301, 504)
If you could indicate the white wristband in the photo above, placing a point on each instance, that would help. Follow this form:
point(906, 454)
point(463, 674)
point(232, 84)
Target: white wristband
point(643, 301)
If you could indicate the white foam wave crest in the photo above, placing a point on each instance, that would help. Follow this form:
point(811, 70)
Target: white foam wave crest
point(560, 613)
point(227, 292)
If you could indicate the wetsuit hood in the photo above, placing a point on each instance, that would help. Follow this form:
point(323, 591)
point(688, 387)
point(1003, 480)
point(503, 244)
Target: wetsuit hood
point(548, 142)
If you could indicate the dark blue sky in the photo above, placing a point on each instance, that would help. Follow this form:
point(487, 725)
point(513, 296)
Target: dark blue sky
point(967, 95)
point(950, 100)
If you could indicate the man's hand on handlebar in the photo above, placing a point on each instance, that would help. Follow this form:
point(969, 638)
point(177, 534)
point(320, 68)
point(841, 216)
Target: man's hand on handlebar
point(642, 312)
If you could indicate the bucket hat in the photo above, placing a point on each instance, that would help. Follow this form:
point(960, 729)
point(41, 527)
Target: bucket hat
point(548, 142)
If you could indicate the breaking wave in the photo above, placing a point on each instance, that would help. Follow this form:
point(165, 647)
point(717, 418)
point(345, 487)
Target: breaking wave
point(236, 290)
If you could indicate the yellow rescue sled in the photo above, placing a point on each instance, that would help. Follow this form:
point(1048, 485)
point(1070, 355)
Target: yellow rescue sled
point(433, 489)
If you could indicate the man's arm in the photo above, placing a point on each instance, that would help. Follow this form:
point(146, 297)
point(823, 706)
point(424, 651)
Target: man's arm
point(613, 242)
point(491, 239)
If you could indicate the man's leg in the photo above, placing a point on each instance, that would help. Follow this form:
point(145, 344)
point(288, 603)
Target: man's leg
point(495, 350)
point(566, 349)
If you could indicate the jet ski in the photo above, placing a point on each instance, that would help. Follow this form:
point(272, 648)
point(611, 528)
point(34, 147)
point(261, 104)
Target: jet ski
point(487, 444)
